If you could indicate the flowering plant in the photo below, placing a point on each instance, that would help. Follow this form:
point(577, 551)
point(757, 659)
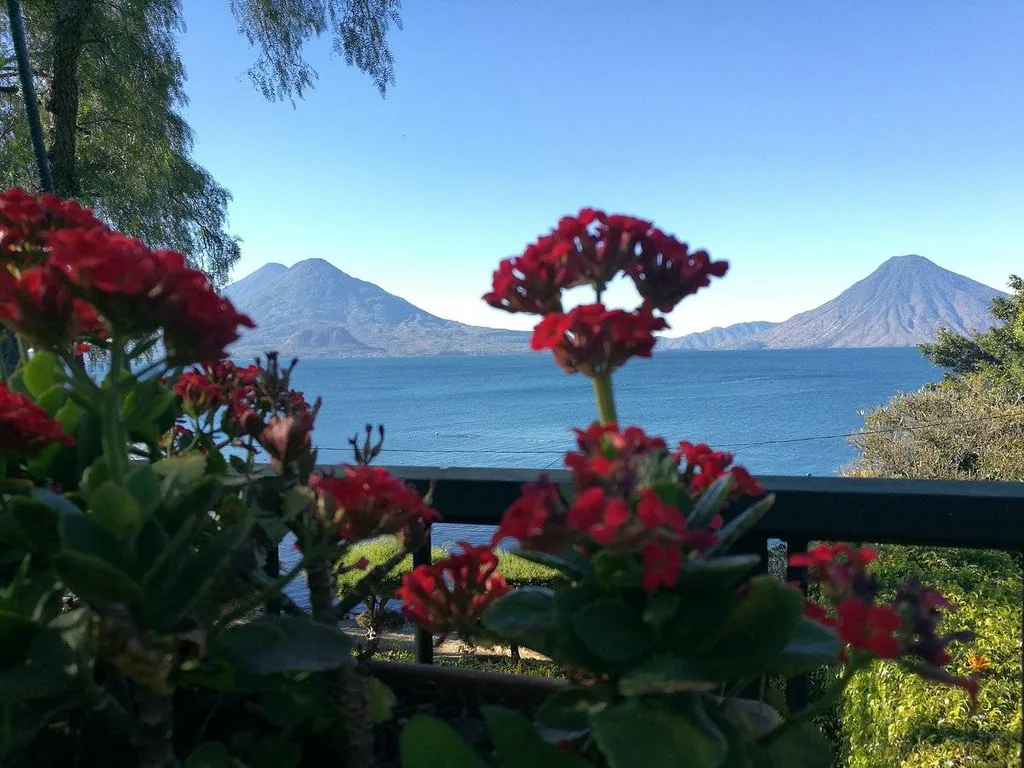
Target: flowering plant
point(143, 617)
point(669, 638)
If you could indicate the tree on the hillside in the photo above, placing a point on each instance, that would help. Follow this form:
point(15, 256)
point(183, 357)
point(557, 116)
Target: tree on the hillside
point(998, 353)
point(111, 86)
point(967, 428)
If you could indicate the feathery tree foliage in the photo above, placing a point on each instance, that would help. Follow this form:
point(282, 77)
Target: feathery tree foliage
point(998, 353)
point(111, 88)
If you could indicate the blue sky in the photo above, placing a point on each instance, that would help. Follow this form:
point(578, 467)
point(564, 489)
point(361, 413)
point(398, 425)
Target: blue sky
point(804, 142)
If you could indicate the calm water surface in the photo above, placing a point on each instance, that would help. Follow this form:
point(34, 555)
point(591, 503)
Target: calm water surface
point(517, 411)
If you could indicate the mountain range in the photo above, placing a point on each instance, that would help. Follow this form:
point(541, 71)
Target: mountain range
point(313, 309)
point(901, 304)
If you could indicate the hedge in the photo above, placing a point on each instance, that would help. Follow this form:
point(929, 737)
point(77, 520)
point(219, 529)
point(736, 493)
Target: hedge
point(890, 719)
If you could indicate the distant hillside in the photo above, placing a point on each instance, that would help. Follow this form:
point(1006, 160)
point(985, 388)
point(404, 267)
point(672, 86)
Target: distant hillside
point(729, 337)
point(902, 303)
point(313, 309)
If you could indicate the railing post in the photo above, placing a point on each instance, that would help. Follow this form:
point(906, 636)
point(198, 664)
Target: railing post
point(424, 640)
point(797, 696)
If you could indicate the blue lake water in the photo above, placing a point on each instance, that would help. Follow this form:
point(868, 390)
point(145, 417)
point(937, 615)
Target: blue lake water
point(779, 411)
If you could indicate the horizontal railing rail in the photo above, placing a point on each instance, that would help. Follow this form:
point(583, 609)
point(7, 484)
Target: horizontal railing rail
point(973, 515)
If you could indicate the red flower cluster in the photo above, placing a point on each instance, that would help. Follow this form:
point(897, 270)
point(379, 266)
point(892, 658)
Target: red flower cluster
point(451, 595)
point(596, 340)
point(40, 305)
point(608, 456)
point(907, 628)
point(367, 501)
point(25, 427)
point(591, 248)
point(27, 221)
point(667, 271)
point(611, 510)
point(704, 466)
point(536, 519)
point(218, 385)
point(61, 259)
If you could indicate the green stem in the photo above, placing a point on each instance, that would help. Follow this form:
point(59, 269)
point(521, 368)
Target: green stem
point(605, 400)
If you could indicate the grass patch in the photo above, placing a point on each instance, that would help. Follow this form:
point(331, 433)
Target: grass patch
point(483, 663)
point(517, 570)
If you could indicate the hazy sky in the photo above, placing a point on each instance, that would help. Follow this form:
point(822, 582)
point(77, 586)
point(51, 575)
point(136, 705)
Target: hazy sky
point(804, 142)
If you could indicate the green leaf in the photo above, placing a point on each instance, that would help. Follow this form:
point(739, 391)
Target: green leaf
point(53, 399)
point(114, 507)
point(81, 533)
point(266, 751)
point(143, 483)
point(95, 580)
point(660, 607)
point(612, 631)
point(211, 754)
point(810, 647)
point(43, 371)
point(181, 470)
point(759, 629)
point(735, 529)
point(196, 572)
point(803, 746)
point(428, 742)
point(710, 502)
point(519, 745)
point(16, 634)
point(655, 734)
point(522, 616)
point(37, 523)
point(382, 700)
point(271, 644)
point(701, 618)
point(664, 673)
point(718, 573)
point(569, 710)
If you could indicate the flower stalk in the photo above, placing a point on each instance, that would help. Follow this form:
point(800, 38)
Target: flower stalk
point(605, 400)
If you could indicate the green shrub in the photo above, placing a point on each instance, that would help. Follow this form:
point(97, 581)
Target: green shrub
point(890, 718)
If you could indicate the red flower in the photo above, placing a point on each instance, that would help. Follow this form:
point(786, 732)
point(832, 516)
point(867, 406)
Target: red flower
point(609, 456)
point(666, 271)
point(25, 427)
point(198, 323)
point(662, 518)
point(591, 248)
point(661, 563)
point(704, 466)
point(871, 628)
point(368, 501)
point(452, 594)
point(596, 340)
point(598, 517)
point(536, 519)
point(532, 282)
point(218, 385)
point(288, 438)
point(38, 304)
point(26, 221)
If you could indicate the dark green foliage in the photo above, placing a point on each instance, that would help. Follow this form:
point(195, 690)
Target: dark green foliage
point(997, 353)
